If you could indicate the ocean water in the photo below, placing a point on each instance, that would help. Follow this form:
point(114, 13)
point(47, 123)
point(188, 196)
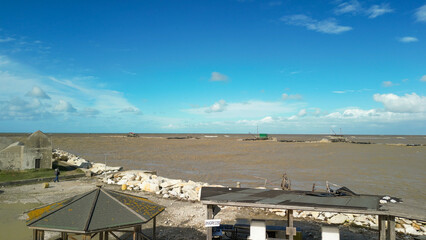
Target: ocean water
point(386, 166)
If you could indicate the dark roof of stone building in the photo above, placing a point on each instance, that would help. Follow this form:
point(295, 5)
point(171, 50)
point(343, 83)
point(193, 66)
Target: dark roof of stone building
point(94, 211)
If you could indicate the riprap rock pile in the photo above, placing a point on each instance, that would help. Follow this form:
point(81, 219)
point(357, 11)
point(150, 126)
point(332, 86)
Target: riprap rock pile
point(71, 159)
point(140, 180)
point(402, 225)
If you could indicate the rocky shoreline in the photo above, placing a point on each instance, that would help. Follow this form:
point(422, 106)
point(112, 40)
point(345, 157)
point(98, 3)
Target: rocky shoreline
point(148, 181)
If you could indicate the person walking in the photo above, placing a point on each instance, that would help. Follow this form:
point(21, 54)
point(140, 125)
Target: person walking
point(57, 175)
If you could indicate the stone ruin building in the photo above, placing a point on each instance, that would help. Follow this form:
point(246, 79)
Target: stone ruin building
point(32, 153)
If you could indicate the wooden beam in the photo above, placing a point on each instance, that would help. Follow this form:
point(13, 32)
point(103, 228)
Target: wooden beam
point(391, 228)
point(113, 234)
point(41, 235)
point(382, 227)
point(101, 235)
point(35, 234)
point(106, 235)
point(209, 215)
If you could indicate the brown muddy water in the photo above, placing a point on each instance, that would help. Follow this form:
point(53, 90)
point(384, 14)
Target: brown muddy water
point(387, 166)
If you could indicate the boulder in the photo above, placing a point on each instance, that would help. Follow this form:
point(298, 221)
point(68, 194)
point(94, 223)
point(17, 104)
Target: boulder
point(338, 219)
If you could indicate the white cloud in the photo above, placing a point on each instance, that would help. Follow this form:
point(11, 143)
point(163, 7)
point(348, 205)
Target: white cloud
point(376, 10)
point(130, 110)
point(302, 113)
point(408, 39)
point(217, 107)
point(348, 7)
point(7, 39)
point(410, 103)
point(20, 109)
point(329, 26)
point(388, 84)
point(246, 110)
point(423, 78)
point(64, 106)
point(421, 14)
point(37, 92)
point(218, 77)
point(286, 96)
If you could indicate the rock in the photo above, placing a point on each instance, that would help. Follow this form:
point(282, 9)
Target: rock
point(415, 226)
point(338, 219)
point(386, 198)
point(166, 196)
point(45, 185)
point(329, 214)
point(383, 201)
point(315, 215)
point(410, 230)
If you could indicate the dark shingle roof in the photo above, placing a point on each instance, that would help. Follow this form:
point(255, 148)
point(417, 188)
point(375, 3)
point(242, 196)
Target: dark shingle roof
point(94, 211)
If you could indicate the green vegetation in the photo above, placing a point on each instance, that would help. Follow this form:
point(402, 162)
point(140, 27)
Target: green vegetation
point(8, 175)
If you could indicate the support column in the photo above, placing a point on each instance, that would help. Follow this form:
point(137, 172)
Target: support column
point(391, 228)
point(40, 235)
point(106, 235)
point(209, 215)
point(87, 237)
point(35, 234)
point(382, 227)
point(154, 228)
point(290, 231)
point(64, 236)
point(101, 235)
point(136, 233)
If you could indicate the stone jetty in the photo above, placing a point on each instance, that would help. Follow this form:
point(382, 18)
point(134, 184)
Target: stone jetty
point(149, 181)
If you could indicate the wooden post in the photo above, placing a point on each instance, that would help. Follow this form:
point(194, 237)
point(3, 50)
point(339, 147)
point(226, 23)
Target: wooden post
point(106, 235)
point(64, 236)
point(136, 233)
point(290, 230)
point(101, 235)
point(40, 234)
point(154, 228)
point(382, 227)
point(35, 234)
point(391, 228)
point(209, 215)
point(87, 237)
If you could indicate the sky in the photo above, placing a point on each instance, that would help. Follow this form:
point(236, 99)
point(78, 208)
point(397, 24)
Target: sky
point(219, 66)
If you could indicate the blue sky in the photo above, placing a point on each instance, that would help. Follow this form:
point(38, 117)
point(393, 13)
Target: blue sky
point(213, 66)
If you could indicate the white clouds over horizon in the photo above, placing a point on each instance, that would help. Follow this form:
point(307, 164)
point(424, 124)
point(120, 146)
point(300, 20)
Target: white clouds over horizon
point(329, 26)
point(409, 103)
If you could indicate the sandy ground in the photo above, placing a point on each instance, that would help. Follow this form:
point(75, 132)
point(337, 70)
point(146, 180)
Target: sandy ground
point(180, 220)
